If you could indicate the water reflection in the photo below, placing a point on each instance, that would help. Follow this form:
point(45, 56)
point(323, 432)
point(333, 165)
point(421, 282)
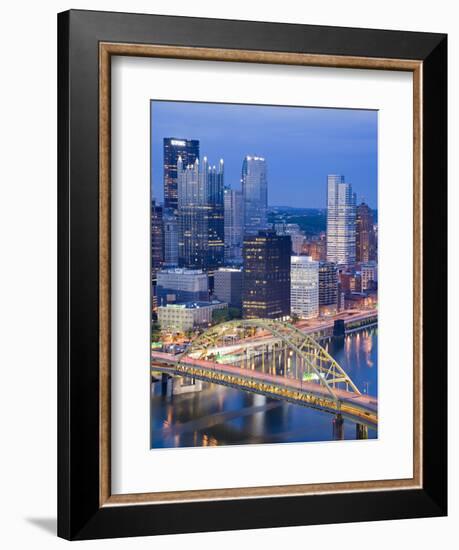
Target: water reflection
point(188, 415)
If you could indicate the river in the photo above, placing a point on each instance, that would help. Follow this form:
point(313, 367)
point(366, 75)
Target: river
point(209, 414)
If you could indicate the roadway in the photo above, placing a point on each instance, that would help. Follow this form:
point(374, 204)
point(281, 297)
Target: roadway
point(358, 408)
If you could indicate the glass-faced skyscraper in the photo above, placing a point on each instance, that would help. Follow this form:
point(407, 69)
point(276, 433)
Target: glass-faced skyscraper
point(255, 194)
point(173, 148)
point(234, 232)
point(200, 215)
point(340, 221)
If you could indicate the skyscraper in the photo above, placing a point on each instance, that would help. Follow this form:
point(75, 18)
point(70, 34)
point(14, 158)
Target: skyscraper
point(170, 230)
point(255, 194)
point(215, 216)
point(157, 243)
point(328, 287)
point(200, 214)
point(365, 234)
point(266, 276)
point(233, 206)
point(340, 221)
point(304, 294)
point(173, 148)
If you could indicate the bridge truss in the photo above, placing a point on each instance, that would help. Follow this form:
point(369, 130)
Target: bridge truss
point(265, 337)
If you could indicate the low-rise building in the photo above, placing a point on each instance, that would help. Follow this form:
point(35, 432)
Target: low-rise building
point(369, 273)
point(180, 285)
point(228, 286)
point(183, 317)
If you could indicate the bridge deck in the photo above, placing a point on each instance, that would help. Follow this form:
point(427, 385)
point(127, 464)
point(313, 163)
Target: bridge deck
point(352, 404)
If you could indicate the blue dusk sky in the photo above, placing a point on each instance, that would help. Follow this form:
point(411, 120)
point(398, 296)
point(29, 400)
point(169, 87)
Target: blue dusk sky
point(301, 146)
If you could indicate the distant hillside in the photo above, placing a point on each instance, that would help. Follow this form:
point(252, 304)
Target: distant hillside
point(312, 221)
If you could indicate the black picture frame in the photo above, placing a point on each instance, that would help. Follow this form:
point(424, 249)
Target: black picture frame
point(80, 515)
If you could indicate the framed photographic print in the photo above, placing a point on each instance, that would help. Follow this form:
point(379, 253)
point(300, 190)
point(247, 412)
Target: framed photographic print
point(252, 274)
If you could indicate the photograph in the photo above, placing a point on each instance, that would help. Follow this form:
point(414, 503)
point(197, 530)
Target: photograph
point(264, 274)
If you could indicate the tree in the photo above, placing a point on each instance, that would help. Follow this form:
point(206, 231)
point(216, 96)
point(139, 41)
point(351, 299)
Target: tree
point(234, 313)
point(220, 315)
point(294, 318)
point(155, 331)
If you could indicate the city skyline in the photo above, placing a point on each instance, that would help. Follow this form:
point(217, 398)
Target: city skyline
point(300, 145)
point(256, 309)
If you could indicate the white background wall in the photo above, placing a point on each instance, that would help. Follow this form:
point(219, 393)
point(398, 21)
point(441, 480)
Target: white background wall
point(28, 269)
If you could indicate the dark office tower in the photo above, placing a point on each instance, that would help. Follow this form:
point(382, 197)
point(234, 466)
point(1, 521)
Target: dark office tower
point(255, 194)
point(188, 150)
point(328, 287)
point(365, 234)
point(170, 227)
point(266, 279)
point(157, 239)
point(234, 230)
point(200, 215)
point(216, 217)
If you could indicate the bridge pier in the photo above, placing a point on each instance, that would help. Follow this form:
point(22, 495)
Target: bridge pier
point(164, 382)
point(338, 427)
point(361, 431)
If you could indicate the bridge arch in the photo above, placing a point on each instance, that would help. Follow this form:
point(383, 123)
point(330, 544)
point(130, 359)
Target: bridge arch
point(327, 370)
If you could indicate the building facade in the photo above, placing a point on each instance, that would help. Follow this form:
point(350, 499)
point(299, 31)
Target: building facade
point(171, 235)
point(255, 194)
point(340, 221)
point(365, 238)
point(183, 317)
point(297, 236)
point(173, 148)
point(181, 285)
point(316, 248)
point(328, 287)
point(266, 276)
point(369, 274)
point(200, 215)
point(304, 294)
point(234, 222)
point(228, 286)
point(157, 238)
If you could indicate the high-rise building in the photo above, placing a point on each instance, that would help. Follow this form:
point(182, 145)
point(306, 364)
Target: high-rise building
point(304, 294)
point(157, 239)
point(216, 214)
point(255, 194)
point(228, 286)
point(369, 274)
point(328, 287)
point(340, 221)
point(170, 230)
point(234, 219)
point(181, 285)
point(200, 215)
point(173, 148)
point(365, 234)
point(266, 276)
